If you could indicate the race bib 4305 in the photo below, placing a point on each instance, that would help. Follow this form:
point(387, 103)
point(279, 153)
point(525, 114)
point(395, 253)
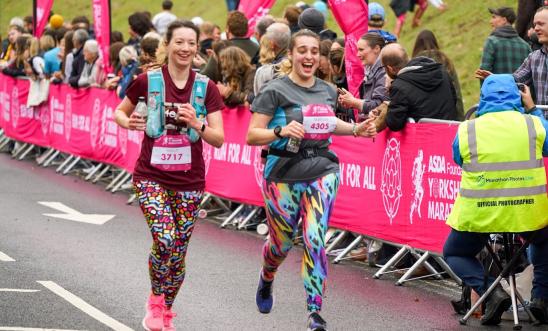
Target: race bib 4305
point(319, 121)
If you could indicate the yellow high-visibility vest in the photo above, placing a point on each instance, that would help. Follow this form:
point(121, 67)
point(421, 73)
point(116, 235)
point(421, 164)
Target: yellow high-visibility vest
point(503, 184)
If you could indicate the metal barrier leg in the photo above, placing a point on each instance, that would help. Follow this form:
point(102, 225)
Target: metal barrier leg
point(4, 141)
point(348, 249)
point(44, 156)
point(414, 267)
point(132, 198)
point(62, 165)
point(221, 203)
point(26, 152)
point(94, 171)
point(427, 265)
point(50, 159)
point(121, 182)
point(336, 241)
point(232, 216)
point(115, 180)
point(101, 174)
point(248, 218)
point(69, 168)
point(447, 269)
point(205, 200)
point(391, 262)
point(19, 150)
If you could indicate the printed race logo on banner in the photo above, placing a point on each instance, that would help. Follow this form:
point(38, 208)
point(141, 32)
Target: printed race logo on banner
point(68, 116)
point(95, 120)
point(258, 165)
point(122, 140)
point(206, 153)
point(45, 118)
point(14, 107)
point(6, 106)
point(416, 177)
point(391, 178)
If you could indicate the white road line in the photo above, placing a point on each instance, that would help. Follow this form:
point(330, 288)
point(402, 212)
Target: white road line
point(84, 306)
point(5, 258)
point(16, 328)
point(17, 290)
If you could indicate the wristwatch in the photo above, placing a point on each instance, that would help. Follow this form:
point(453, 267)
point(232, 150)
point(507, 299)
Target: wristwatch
point(277, 131)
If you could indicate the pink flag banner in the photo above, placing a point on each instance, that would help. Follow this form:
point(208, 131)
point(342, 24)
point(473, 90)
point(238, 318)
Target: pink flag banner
point(101, 25)
point(41, 15)
point(351, 15)
point(399, 188)
point(254, 10)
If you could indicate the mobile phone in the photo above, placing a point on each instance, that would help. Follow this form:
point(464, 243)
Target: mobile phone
point(521, 87)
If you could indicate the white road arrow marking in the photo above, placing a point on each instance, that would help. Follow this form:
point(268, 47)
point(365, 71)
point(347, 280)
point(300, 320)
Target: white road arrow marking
point(74, 215)
point(85, 307)
point(17, 290)
point(5, 258)
point(17, 328)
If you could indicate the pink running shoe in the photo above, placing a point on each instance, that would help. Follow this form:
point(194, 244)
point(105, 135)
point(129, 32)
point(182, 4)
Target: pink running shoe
point(155, 307)
point(168, 320)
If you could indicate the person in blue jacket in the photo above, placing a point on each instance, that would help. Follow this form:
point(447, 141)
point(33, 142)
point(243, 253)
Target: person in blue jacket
point(510, 102)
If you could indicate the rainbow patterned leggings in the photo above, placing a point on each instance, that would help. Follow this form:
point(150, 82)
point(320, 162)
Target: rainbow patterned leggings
point(170, 216)
point(286, 203)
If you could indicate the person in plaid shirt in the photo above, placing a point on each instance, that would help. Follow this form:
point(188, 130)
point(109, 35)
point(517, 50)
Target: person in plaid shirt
point(534, 70)
point(504, 51)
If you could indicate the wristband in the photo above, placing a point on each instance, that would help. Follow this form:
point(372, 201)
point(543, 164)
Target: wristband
point(354, 131)
point(202, 129)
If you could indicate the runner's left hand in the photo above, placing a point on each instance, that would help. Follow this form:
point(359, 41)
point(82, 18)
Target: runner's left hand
point(366, 128)
point(187, 114)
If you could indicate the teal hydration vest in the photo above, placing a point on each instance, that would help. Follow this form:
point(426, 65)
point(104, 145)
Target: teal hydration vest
point(156, 121)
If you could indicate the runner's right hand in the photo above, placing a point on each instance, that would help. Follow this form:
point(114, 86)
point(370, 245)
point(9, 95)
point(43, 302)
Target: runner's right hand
point(293, 130)
point(136, 122)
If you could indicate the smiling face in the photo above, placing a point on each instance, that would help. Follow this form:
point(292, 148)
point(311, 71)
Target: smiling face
point(182, 47)
point(367, 55)
point(305, 57)
point(540, 23)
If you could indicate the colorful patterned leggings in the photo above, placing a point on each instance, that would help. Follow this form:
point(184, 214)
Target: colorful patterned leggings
point(170, 216)
point(285, 204)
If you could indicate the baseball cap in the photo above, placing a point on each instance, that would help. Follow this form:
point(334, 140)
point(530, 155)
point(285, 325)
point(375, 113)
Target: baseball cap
point(505, 12)
point(376, 9)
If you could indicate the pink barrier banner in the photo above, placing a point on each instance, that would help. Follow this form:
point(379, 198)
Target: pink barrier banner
point(76, 121)
point(101, 25)
point(399, 188)
point(254, 10)
point(41, 15)
point(351, 15)
point(235, 171)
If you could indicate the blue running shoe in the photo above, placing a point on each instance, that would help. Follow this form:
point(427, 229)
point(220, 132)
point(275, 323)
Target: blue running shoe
point(264, 297)
point(316, 322)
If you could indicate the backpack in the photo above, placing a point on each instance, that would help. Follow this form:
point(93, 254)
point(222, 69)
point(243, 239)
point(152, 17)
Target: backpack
point(155, 126)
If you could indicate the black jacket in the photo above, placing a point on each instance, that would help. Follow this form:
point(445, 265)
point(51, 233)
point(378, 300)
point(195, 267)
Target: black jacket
point(77, 67)
point(422, 89)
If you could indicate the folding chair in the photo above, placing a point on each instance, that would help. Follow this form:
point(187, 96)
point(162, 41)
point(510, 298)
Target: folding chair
point(507, 272)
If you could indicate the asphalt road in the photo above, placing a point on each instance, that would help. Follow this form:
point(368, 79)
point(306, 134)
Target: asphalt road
point(67, 275)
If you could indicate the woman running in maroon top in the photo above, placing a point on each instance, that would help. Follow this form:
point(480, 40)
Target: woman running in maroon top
point(169, 176)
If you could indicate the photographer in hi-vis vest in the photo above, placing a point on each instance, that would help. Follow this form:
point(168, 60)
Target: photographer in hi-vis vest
point(503, 190)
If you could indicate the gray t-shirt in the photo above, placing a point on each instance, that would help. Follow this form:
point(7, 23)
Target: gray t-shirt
point(283, 100)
